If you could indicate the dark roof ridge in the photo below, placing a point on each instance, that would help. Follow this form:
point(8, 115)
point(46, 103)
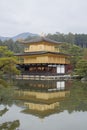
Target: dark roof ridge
point(39, 39)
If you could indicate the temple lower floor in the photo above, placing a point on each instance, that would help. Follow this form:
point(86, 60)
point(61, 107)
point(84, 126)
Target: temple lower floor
point(42, 69)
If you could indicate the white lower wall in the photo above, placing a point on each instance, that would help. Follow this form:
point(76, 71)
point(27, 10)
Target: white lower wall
point(60, 69)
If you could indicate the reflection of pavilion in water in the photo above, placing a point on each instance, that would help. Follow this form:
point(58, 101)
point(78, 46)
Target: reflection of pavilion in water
point(44, 101)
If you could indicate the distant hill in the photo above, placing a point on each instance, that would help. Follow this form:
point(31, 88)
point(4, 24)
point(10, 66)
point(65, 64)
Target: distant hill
point(23, 36)
point(19, 36)
point(4, 38)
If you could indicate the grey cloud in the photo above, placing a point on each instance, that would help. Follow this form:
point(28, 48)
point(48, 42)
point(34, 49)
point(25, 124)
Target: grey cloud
point(49, 16)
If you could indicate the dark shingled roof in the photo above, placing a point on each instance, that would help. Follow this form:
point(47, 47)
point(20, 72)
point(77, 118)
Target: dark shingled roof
point(40, 39)
point(39, 53)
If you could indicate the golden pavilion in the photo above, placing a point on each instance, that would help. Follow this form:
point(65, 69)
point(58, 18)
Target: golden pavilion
point(42, 56)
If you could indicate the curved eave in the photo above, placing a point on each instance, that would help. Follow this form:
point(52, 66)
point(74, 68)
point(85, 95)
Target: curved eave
point(40, 53)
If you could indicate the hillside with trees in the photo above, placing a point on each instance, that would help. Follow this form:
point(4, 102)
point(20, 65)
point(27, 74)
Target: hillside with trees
point(78, 39)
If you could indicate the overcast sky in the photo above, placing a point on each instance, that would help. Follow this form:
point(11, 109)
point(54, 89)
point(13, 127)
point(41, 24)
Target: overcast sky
point(48, 16)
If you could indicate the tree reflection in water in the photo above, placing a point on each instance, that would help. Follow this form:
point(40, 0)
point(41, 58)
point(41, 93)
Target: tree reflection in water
point(40, 97)
point(6, 96)
point(2, 112)
point(10, 125)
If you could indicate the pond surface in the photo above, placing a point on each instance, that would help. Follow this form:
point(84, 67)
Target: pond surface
point(44, 105)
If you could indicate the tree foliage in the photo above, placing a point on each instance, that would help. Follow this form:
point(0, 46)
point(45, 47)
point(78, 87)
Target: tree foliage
point(81, 67)
point(7, 64)
point(78, 58)
point(78, 39)
point(76, 52)
point(85, 54)
point(13, 46)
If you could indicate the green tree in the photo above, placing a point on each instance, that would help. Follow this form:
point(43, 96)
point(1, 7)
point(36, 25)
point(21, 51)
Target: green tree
point(85, 54)
point(70, 38)
point(81, 40)
point(81, 68)
point(75, 51)
point(7, 64)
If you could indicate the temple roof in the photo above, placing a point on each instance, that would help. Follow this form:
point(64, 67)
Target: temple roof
point(42, 114)
point(39, 53)
point(40, 39)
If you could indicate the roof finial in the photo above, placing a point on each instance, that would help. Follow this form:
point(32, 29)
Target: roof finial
point(42, 34)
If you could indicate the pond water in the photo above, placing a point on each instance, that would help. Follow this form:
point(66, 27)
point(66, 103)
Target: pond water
point(44, 105)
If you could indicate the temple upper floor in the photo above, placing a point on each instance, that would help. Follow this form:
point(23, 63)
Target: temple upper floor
point(41, 44)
